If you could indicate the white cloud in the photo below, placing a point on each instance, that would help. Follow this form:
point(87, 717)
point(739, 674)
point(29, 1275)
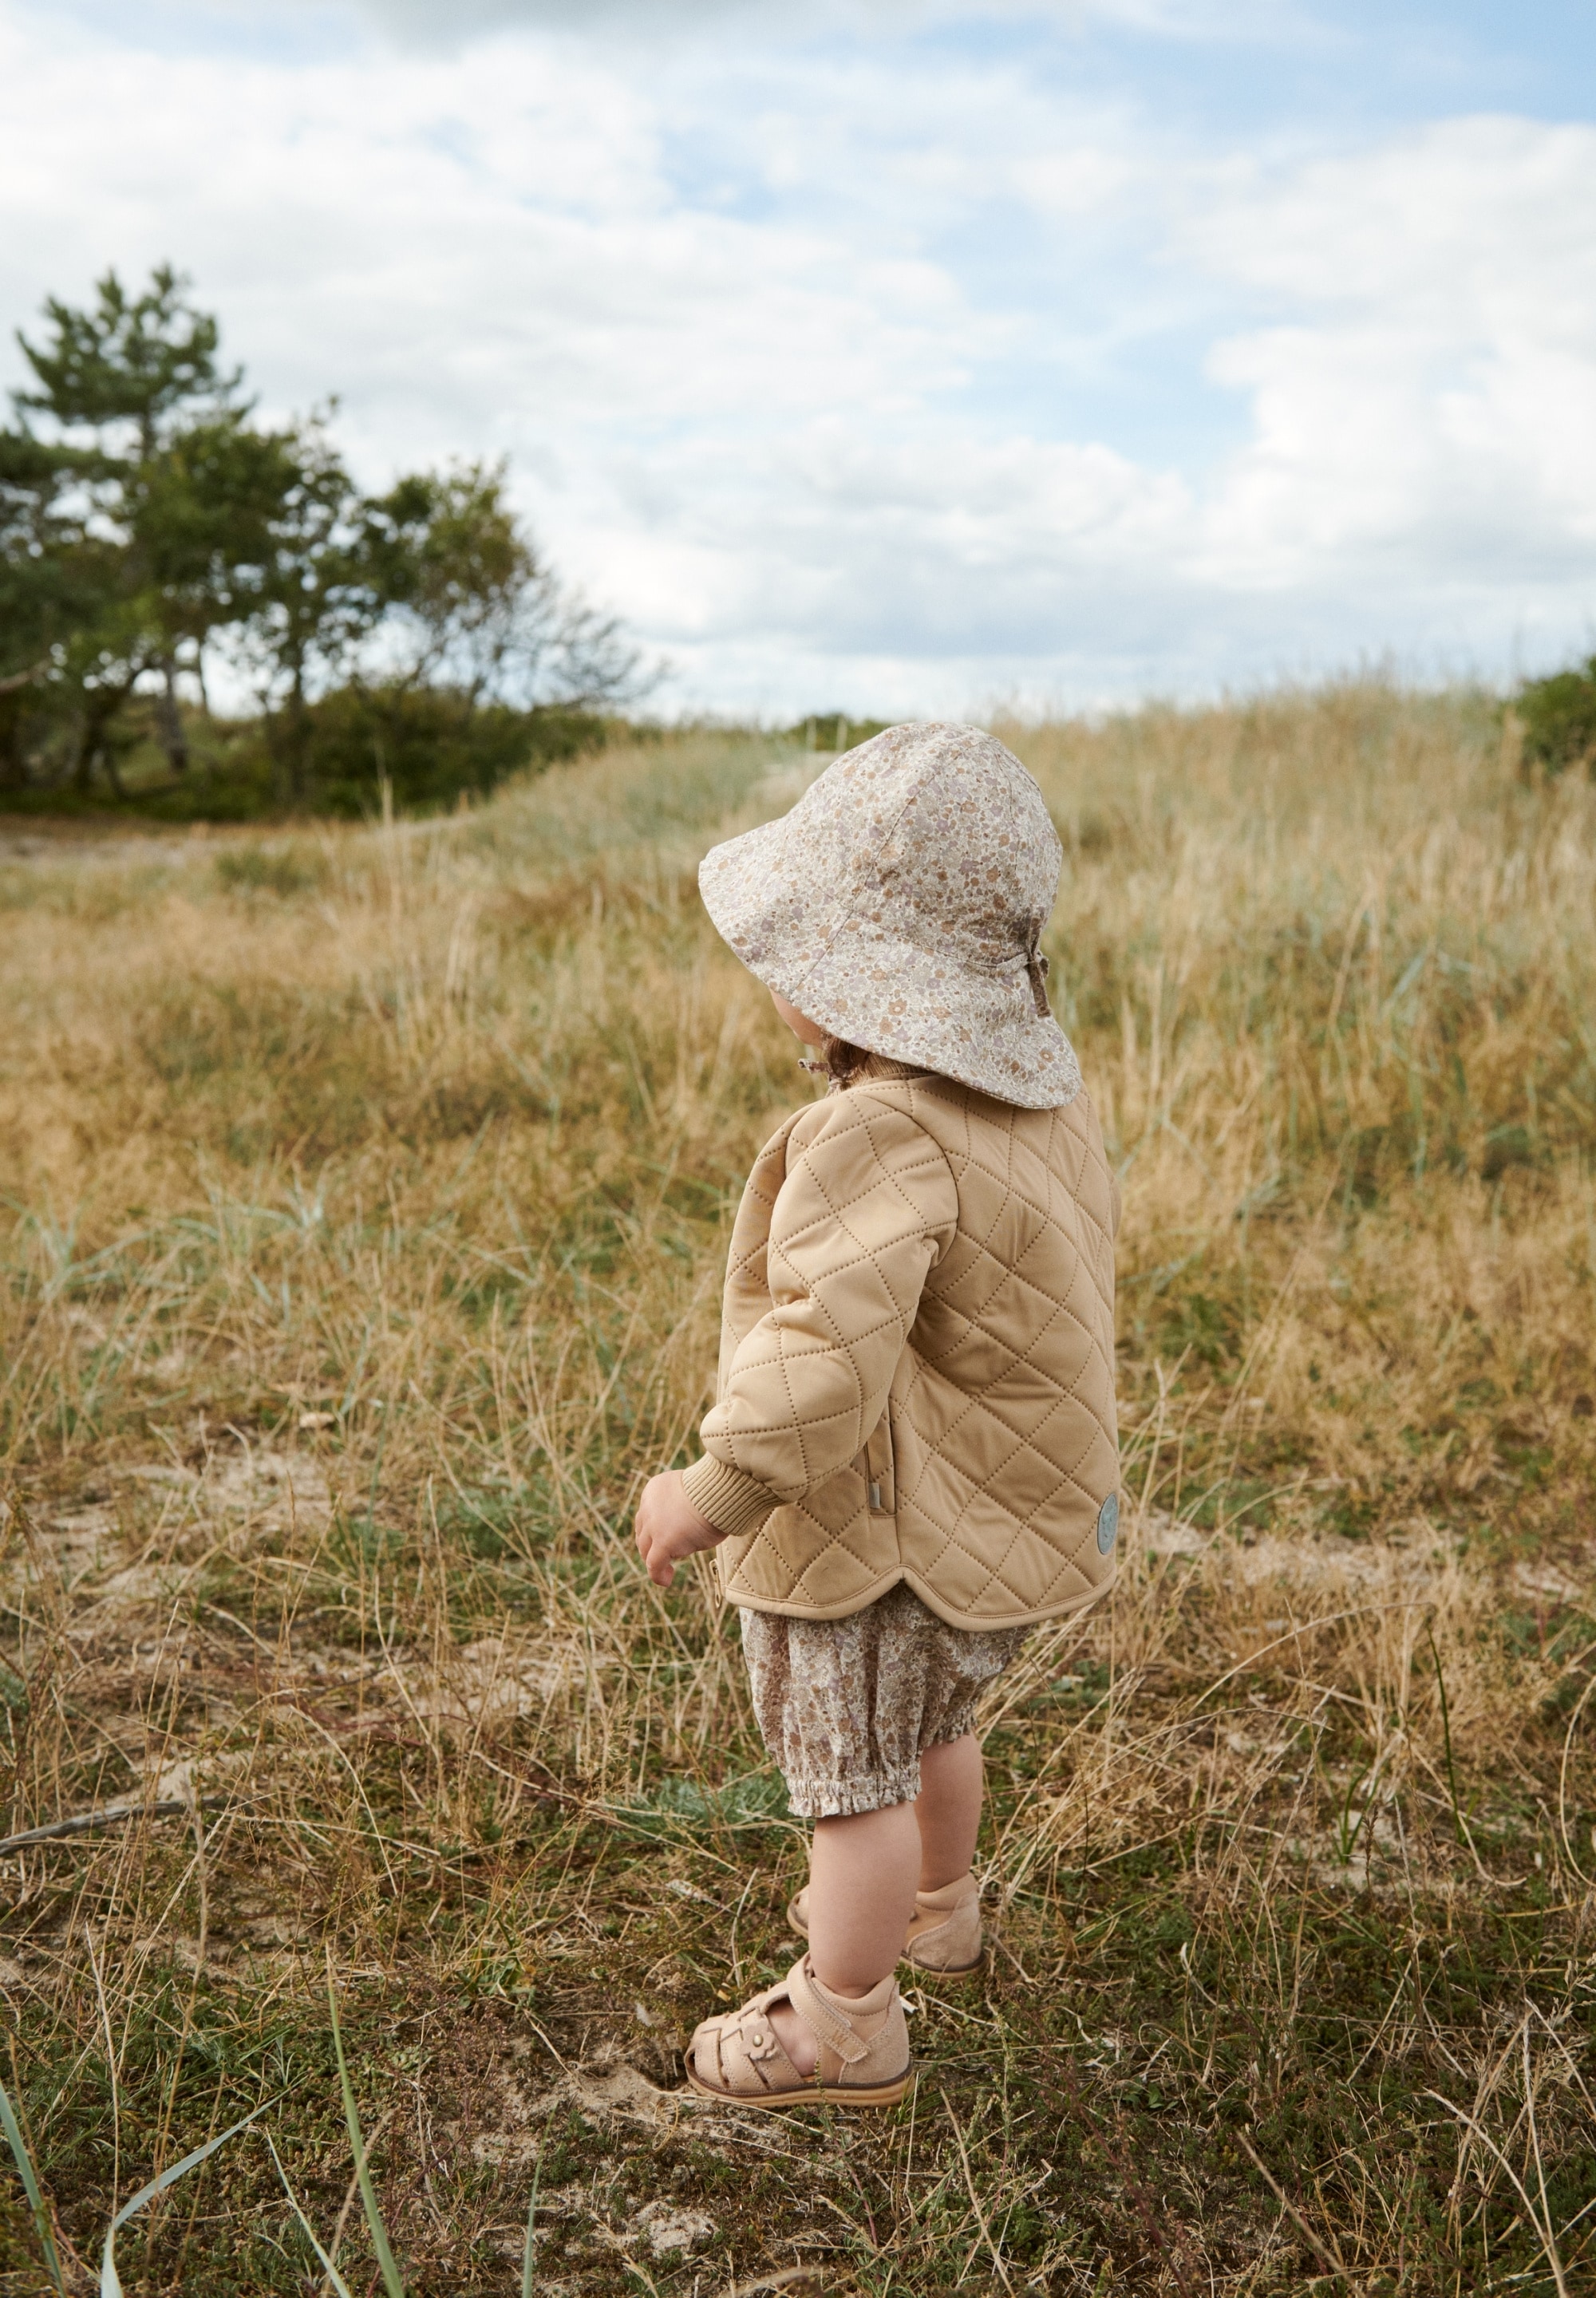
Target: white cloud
point(1071, 182)
point(815, 362)
point(1437, 403)
point(1226, 21)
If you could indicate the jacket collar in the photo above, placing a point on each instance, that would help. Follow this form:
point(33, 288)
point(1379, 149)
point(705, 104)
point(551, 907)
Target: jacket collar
point(880, 1066)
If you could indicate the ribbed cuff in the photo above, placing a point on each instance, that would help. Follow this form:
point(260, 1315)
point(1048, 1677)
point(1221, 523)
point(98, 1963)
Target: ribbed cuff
point(733, 1502)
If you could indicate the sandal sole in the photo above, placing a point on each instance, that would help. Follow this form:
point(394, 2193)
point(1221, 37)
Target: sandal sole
point(812, 2094)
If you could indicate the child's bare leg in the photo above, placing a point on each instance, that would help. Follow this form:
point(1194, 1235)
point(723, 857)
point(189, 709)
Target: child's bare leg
point(949, 1810)
point(862, 1873)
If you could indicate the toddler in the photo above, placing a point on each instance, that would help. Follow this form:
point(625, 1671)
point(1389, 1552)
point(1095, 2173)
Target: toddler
point(912, 1456)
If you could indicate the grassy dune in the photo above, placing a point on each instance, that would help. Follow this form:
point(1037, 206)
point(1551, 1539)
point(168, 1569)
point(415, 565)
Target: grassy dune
point(362, 1200)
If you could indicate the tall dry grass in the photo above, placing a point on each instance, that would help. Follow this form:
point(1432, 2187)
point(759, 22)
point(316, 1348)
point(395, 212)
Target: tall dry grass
point(365, 1194)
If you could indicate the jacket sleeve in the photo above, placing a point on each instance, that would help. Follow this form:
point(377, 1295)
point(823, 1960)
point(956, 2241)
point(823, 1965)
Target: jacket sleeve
point(867, 1206)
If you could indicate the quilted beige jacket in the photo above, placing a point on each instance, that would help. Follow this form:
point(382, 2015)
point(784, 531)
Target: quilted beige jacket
point(917, 1358)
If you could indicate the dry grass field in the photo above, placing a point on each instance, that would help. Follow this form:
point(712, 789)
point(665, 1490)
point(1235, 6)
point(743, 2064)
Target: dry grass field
point(362, 1201)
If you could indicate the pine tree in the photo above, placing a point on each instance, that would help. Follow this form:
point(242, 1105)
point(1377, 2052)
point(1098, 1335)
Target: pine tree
point(147, 429)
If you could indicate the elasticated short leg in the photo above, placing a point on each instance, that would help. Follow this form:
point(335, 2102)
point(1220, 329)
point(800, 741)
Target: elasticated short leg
point(849, 1706)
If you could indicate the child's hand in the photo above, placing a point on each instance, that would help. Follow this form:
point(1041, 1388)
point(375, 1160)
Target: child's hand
point(669, 1527)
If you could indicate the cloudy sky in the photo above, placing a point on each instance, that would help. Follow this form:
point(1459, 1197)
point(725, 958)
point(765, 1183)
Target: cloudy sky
point(898, 356)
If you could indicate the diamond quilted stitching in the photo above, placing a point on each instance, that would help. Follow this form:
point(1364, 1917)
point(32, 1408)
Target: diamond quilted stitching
point(1017, 1308)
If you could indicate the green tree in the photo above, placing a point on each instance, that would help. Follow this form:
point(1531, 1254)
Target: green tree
point(311, 597)
point(142, 363)
point(37, 606)
point(150, 440)
point(146, 520)
point(474, 609)
point(68, 650)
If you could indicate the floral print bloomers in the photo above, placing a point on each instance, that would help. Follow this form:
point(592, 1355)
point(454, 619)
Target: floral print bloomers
point(849, 1706)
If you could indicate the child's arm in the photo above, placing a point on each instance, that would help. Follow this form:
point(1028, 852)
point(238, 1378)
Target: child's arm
point(867, 1205)
point(669, 1527)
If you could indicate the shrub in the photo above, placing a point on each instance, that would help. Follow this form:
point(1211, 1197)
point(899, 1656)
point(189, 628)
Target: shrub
point(1559, 716)
point(430, 746)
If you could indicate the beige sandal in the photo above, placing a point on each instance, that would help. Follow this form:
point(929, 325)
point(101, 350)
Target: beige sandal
point(864, 2047)
point(945, 1935)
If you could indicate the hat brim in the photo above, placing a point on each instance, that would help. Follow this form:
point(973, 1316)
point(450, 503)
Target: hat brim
point(883, 991)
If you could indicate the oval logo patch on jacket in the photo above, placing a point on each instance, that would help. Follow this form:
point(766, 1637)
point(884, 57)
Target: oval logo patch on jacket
point(1108, 1524)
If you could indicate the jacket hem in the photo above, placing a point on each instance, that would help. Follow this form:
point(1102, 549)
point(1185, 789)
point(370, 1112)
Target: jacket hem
point(945, 1612)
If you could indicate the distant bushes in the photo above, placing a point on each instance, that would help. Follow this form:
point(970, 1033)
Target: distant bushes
point(430, 746)
point(1559, 718)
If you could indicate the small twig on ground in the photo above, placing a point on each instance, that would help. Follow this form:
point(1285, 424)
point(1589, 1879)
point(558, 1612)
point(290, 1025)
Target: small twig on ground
point(82, 1822)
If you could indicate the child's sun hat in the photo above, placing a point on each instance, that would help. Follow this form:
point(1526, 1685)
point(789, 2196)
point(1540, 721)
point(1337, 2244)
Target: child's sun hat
point(901, 905)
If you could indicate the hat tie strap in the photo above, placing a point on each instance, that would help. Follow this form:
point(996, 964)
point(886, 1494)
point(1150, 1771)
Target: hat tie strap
point(1036, 965)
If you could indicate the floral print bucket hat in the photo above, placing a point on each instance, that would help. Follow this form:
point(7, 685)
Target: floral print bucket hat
point(901, 905)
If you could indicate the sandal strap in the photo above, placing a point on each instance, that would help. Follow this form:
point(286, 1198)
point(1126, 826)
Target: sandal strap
point(828, 2026)
point(749, 2054)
